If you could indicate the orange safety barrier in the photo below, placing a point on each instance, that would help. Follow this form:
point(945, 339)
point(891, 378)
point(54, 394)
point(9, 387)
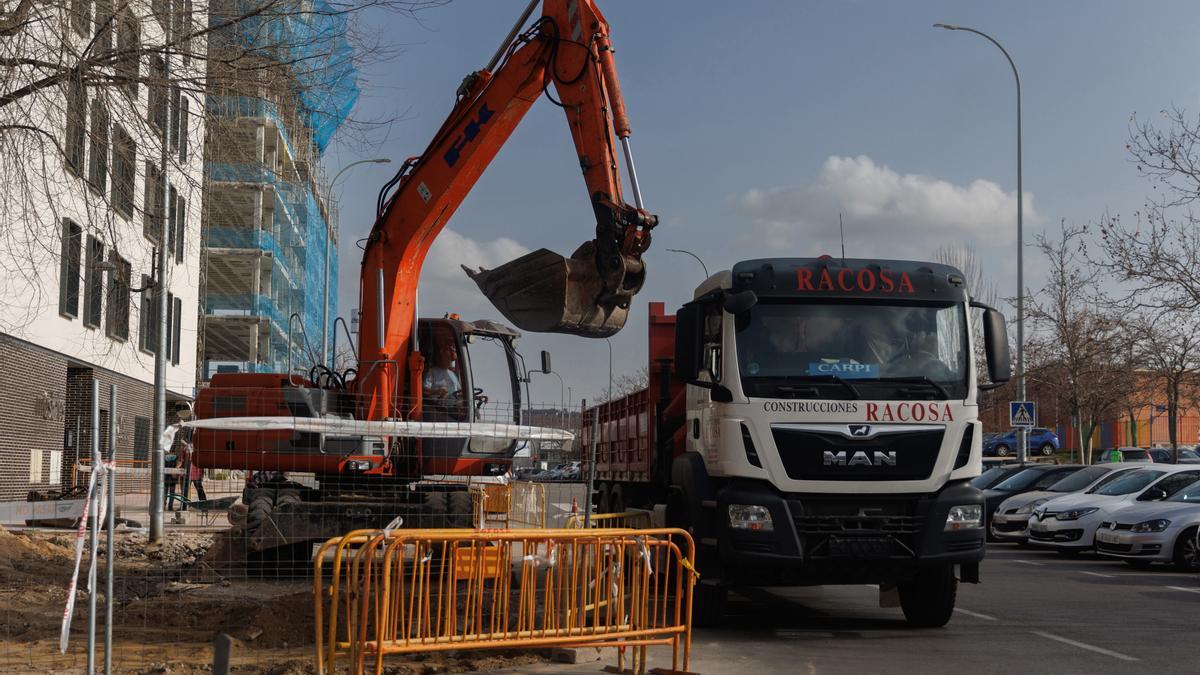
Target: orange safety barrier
point(496, 505)
point(625, 519)
point(406, 591)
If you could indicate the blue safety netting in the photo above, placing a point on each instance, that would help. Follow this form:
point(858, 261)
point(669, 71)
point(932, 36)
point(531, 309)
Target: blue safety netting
point(310, 36)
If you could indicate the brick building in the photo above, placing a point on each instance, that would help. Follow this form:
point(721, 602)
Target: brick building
point(85, 219)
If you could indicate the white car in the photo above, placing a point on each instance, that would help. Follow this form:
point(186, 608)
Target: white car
point(1011, 521)
point(1068, 524)
point(1162, 531)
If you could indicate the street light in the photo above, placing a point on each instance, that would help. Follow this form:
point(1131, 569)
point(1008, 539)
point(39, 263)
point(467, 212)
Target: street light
point(1023, 442)
point(325, 355)
point(679, 250)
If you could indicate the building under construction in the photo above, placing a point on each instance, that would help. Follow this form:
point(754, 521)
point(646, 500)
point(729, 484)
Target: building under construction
point(284, 85)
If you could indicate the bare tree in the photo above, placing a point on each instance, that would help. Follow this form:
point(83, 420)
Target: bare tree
point(88, 87)
point(1159, 254)
point(625, 384)
point(1079, 344)
point(1169, 347)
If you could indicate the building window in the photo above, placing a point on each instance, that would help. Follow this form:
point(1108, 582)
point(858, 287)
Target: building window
point(141, 438)
point(68, 286)
point(124, 161)
point(148, 324)
point(152, 204)
point(172, 219)
point(98, 161)
point(93, 299)
point(174, 324)
point(117, 320)
point(162, 12)
point(81, 16)
point(183, 28)
point(180, 227)
point(181, 133)
point(76, 125)
point(128, 43)
point(104, 27)
point(174, 108)
point(157, 109)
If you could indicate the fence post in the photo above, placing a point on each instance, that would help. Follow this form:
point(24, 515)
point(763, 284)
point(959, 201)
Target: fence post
point(93, 523)
point(110, 563)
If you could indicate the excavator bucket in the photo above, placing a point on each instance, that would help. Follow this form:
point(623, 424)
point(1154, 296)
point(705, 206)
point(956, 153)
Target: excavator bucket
point(543, 292)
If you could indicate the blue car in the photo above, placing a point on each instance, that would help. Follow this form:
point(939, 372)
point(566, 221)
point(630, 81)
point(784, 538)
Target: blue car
point(1042, 441)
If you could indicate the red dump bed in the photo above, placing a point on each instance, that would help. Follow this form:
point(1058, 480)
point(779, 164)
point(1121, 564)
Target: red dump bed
point(629, 426)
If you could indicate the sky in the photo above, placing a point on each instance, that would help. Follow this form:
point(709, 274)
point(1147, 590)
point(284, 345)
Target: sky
point(755, 124)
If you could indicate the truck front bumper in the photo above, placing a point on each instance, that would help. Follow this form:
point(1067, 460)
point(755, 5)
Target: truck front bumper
point(822, 539)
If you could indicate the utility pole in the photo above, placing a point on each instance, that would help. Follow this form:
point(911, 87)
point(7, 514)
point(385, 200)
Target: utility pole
point(163, 318)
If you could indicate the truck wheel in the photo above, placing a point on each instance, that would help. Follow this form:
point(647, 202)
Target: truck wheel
point(616, 499)
point(928, 600)
point(601, 498)
point(709, 603)
point(1187, 553)
point(459, 509)
point(1002, 450)
point(437, 506)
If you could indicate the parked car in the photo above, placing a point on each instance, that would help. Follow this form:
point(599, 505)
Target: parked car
point(992, 475)
point(1041, 441)
point(1165, 456)
point(1124, 455)
point(1011, 520)
point(1068, 524)
point(1141, 534)
point(1034, 477)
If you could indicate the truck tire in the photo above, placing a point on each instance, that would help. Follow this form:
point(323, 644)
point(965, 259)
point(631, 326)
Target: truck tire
point(616, 499)
point(928, 600)
point(601, 498)
point(709, 605)
point(438, 507)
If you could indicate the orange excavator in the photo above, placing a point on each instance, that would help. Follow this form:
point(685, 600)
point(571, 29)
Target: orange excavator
point(369, 479)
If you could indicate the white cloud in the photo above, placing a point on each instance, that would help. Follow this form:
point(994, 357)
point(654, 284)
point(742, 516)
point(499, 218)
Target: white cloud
point(444, 285)
point(886, 213)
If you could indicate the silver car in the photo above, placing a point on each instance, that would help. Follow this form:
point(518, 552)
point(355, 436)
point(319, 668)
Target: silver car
point(1164, 531)
point(1011, 521)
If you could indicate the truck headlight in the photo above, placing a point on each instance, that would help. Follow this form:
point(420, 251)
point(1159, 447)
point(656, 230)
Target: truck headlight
point(1157, 525)
point(750, 517)
point(964, 517)
point(1076, 514)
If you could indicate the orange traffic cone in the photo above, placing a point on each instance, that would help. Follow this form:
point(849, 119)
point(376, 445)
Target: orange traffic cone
point(574, 505)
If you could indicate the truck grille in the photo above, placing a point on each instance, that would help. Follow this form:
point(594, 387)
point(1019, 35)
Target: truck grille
point(857, 525)
point(817, 455)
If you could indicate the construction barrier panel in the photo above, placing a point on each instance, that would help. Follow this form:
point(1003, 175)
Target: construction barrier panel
point(625, 519)
point(503, 506)
point(406, 591)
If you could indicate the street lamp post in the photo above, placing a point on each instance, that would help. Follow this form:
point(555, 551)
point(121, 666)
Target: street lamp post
point(1023, 439)
point(326, 357)
point(702, 265)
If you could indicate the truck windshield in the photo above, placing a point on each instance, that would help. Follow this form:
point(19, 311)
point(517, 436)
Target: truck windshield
point(853, 350)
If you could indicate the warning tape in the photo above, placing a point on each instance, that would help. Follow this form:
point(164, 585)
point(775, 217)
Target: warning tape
point(134, 470)
point(80, 532)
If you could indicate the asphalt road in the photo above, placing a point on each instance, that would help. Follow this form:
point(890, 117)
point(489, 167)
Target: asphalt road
point(1035, 612)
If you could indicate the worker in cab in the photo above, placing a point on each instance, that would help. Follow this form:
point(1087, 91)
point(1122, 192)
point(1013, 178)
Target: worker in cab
point(441, 382)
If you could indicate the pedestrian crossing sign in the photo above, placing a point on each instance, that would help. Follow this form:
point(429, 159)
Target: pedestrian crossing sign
point(1022, 413)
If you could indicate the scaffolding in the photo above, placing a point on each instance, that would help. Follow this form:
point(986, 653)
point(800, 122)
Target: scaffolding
point(279, 88)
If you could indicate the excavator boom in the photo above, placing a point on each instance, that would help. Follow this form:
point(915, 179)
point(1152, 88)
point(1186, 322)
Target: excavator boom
point(588, 294)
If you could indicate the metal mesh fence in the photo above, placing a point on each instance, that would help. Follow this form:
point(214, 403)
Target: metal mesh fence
point(244, 511)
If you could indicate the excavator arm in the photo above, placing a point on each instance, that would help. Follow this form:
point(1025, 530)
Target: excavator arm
point(588, 294)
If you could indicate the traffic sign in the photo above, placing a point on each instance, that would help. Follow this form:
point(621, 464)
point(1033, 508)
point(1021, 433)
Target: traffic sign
point(1022, 413)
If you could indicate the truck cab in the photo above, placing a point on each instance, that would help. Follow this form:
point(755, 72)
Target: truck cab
point(832, 428)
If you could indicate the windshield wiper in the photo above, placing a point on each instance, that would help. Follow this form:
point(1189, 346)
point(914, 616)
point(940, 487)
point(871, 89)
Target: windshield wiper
point(918, 379)
point(836, 380)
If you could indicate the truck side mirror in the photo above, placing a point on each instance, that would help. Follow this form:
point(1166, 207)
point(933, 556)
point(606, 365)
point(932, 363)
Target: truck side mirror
point(995, 343)
point(689, 329)
point(546, 369)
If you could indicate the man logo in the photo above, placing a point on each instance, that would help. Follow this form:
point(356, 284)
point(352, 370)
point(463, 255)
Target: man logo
point(860, 458)
point(860, 429)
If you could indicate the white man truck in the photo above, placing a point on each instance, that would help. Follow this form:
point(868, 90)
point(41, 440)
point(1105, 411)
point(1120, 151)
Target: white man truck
point(813, 421)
